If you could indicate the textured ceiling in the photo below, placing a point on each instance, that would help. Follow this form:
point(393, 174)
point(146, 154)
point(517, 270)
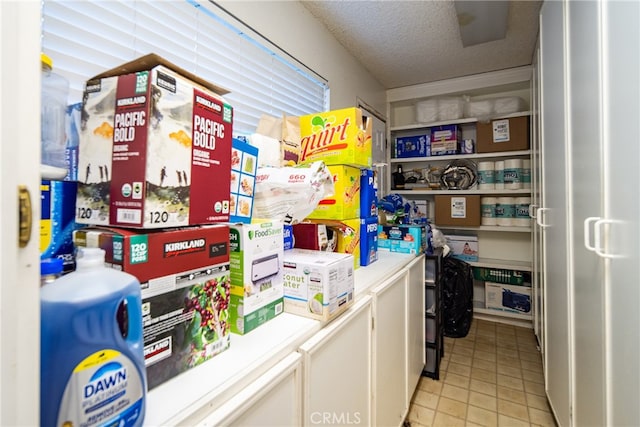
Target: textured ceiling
point(403, 43)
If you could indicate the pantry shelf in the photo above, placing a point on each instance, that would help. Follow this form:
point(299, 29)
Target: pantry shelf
point(463, 156)
point(472, 191)
point(487, 228)
point(418, 126)
point(501, 263)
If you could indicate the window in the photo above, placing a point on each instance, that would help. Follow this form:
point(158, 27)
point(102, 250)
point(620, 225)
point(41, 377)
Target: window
point(87, 37)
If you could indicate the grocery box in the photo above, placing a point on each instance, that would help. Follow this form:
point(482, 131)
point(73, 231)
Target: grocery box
point(500, 275)
point(368, 193)
point(445, 133)
point(57, 221)
point(511, 298)
point(287, 234)
point(313, 236)
point(368, 240)
point(244, 164)
point(412, 146)
point(185, 281)
point(256, 274)
point(153, 138)
point(463, 247)
point(503, 135)
point(319, 285)
point(347, 236)
point(461, 210)
point(408, 239)
point(444, 148)
point(345, 201)
point(338, 137)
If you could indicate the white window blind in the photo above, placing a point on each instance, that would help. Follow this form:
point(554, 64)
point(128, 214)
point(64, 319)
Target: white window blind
point(87, 37)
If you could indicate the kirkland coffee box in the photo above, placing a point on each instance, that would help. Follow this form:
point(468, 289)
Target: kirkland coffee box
point(186, 287)
point(153, 139)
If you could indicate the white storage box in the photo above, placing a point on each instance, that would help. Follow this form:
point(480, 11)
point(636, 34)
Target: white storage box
point(427, 111)
point(508, 105)
point(318, 285)
point(450, 108)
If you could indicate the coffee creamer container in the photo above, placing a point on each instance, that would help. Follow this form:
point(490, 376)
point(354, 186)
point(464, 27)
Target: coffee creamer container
point(91, 362)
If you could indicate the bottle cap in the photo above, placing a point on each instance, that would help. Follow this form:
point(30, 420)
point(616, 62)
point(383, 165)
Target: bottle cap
point(89, 258)
point(45, 59)
point(50, 266)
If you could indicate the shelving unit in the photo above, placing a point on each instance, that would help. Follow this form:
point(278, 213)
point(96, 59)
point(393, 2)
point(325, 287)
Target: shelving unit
point(434, 338)
point(505, 247)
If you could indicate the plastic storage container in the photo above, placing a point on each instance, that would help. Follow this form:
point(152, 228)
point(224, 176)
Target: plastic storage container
point(55, 90)
point(92, 368)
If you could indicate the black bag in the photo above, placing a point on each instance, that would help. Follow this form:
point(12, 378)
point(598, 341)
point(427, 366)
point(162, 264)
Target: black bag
point(457, 297)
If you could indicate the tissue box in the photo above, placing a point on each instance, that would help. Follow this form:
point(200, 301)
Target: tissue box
point(511, 298)
point(319, 285)
point(345, 202)
point(244, 164)
point(257, 290)
point(141, 165)
point(413, 146)
point(463, 247)
point(175, 268)
point(338, 137)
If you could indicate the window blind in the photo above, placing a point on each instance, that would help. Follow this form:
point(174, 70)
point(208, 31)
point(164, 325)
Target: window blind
point(87, 37)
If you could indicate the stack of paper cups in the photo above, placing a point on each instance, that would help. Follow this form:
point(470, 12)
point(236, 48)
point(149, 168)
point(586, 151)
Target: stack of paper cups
point(488, 209)
point(498, 173)
point(505, 210)
point(486, 176)
point(512, 174)
point(522, 218)
point(526, 173)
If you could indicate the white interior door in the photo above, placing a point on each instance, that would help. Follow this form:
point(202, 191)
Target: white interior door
point(19, 160)
point(554, 217)
point(621, 158)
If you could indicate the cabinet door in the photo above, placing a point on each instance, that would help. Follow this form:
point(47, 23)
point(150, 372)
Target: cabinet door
point(390, 394)
point(415, 323)
point(556, 301)
point(275, 399)
point(584, 34)
point(337, 370)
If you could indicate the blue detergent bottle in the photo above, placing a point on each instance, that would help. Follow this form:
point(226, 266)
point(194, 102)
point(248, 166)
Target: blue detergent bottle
point(91, 355)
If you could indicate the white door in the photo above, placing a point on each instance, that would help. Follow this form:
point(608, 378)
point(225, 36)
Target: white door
point(584, 109)
point(19, 160)
point(337, 370)
point(554, 211)
point(621, 196)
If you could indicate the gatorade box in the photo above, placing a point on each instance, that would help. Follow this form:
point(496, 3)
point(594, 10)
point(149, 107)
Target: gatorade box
point(185, 279)
point(153, 138)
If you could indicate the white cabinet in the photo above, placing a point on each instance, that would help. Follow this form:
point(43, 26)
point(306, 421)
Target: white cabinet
point(275, 399)
point(337, 370)
point(390, 381)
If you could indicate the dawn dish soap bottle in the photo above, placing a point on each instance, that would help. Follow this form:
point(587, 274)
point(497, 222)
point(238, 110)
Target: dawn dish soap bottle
point(91, 355)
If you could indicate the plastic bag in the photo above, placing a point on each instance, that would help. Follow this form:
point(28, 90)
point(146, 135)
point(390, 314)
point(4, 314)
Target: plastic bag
point(457, 297)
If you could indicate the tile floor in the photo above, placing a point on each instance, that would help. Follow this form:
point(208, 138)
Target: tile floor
point(491, 377)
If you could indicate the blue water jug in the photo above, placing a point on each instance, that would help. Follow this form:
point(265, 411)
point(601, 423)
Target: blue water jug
point(91, 356)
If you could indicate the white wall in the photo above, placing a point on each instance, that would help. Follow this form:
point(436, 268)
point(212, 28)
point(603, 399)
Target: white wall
point(294, 29)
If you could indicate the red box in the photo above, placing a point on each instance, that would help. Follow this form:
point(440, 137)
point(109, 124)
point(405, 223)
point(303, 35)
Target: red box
point(154, 140)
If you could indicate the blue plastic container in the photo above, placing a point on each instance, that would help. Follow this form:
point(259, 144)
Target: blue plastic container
point(91, 362)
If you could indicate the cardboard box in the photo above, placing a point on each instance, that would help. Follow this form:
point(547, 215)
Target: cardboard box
point(315, 236)
point(463, 210)
point(244, 164)
point(142, 165)
point(176, 269)
point(319, 285)
point(463, 247)
point(338, 137)
point(256, 274)
point(412, 146)
point(347, 235)
point(511, 298)
point(444, 148)
point(368, 193)
point(445, 133)
point(57, 221)
point(368, 240)
point(345, 202)
point(503, 135)
point(408, 239)
point(500, 275)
